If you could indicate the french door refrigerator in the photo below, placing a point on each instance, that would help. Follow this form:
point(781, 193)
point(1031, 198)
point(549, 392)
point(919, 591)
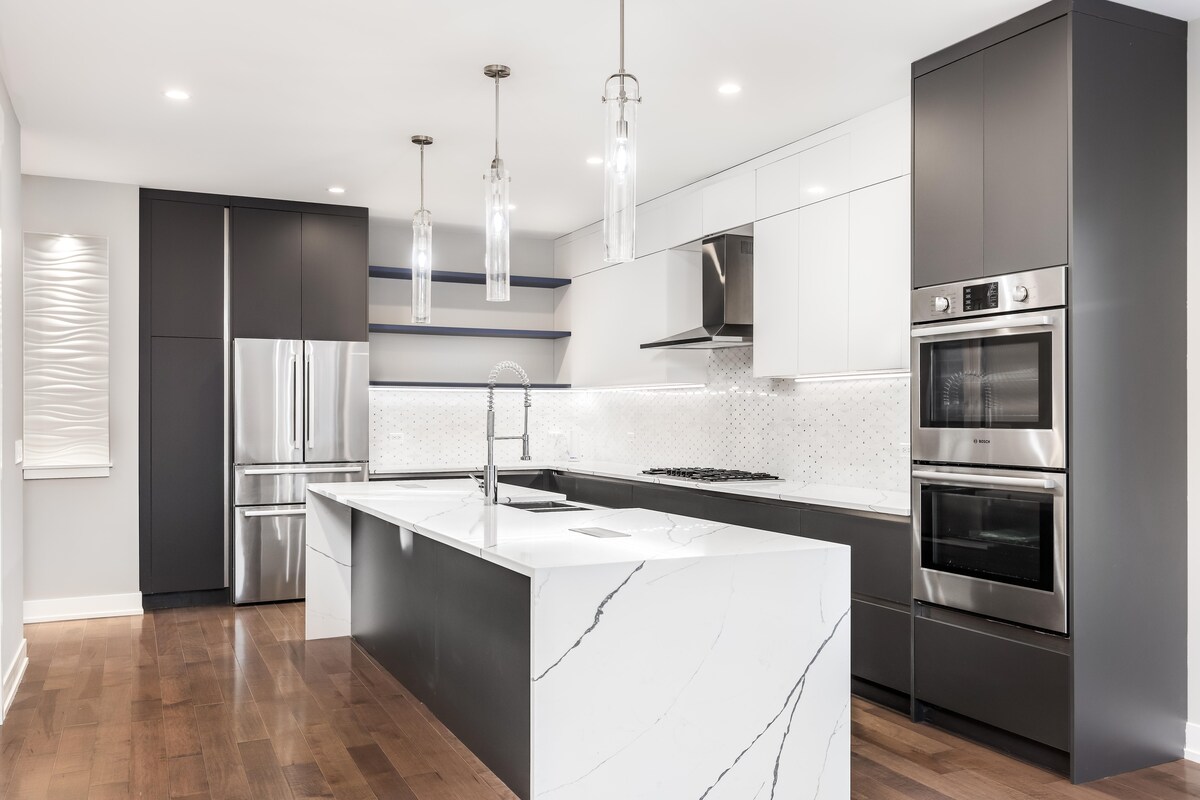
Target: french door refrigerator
point(299, 417)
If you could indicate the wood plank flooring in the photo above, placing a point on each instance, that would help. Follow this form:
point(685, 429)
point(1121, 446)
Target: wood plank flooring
point(232, 703)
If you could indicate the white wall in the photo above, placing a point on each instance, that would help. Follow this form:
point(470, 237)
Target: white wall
point(452, 358)
point(81, 534)
point(1193, 380)
point(12, 637)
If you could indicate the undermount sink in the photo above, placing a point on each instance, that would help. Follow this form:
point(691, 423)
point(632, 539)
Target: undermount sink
point(545, 506)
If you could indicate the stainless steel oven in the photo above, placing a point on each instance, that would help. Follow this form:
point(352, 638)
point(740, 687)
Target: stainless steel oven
point(990, 379)
point(992, 542)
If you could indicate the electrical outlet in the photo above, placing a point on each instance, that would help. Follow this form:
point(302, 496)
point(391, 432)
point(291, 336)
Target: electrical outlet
point(395, 435)
point(904, 448)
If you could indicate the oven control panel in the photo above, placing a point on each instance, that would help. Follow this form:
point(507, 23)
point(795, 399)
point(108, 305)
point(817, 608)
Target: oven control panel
point(1019, 291)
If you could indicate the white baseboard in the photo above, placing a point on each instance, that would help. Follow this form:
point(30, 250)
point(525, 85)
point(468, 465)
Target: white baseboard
point(12, 679)
point(1191, 742)
point(94, 606)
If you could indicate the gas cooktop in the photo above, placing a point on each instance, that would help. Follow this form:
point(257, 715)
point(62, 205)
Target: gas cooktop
point(710, 474)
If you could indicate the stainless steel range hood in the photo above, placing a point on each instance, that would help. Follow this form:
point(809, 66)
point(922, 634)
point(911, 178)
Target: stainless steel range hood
point(728, 297)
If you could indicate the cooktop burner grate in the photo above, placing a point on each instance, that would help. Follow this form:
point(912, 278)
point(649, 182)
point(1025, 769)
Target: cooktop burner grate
point(710, 474)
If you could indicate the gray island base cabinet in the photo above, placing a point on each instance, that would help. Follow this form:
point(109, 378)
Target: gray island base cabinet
point(685, 658)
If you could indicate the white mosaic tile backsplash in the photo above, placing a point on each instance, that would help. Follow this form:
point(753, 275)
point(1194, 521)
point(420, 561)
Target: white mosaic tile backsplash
point(846, 433)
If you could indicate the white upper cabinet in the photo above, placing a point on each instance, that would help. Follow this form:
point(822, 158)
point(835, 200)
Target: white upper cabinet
point(776, 294)
point(879, 276)
point(671, 221)
point(881, 147)
point(728, 203)
point(612, 311)
point(807, 177)
point(831, 285)
point(582, 254)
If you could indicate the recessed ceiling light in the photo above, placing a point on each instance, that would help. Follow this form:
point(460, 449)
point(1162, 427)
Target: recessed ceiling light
point(512, 207)
point(729, 88)
point(337, 190)
point(816, 190)
point(176, 94)
point(595, 160)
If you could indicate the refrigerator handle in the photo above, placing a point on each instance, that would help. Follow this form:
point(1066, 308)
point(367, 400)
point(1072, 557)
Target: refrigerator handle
point(308, 399)
point(292, 423)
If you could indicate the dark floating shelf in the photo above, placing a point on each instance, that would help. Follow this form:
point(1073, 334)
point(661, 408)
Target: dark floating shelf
point(495, 333)
point(445, 276)
point(456, 385)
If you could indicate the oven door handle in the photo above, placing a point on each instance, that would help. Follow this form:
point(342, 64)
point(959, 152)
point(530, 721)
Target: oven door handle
point(924, 331)
point(985, 480)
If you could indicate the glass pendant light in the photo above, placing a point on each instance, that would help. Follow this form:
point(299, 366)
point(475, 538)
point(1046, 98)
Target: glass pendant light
point(422, 249)
point(622, 96)
point(495, 202)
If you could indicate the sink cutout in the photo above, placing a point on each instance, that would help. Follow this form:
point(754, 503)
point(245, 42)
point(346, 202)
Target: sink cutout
point(600, 533)
point(543, 506)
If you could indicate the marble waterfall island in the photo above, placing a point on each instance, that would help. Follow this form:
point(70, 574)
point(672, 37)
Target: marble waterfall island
point(678, 658)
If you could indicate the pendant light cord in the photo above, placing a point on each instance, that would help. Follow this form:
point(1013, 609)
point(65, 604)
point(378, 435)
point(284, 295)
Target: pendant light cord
point(622, 59)
point(497, 117)
point(422, 177)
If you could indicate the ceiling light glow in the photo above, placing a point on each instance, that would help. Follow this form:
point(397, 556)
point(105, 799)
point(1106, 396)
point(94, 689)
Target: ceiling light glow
point(729, 88)
point(595, 161)
point(337, 190)
point(176, 94)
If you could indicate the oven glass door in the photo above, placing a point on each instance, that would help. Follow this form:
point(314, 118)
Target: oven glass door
point(988, 382)
point(999, 535)
point(992, 542)
point(991, 391)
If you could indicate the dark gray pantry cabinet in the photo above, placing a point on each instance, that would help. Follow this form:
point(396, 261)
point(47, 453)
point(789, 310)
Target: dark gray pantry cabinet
point(213, 268)
point(1059, 138)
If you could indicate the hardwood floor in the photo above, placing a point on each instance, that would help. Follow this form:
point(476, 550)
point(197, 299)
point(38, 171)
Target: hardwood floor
point(233, 703)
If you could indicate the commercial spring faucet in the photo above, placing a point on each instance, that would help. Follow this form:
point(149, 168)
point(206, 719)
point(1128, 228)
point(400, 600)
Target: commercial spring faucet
point(490, 478)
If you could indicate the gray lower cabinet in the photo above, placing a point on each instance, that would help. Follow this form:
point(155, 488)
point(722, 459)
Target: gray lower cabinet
point(881, 560)
point(182, 546)
point(982, 671)
point(455, 630)
point(881, 644)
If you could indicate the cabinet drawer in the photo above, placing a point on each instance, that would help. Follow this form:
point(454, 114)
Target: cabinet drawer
point(881, 561)
point(881, 645)
point(1016, 686)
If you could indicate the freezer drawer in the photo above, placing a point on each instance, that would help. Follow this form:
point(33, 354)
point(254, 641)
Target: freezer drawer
point(268, 553)
point(268, 413)
point(286, 483)
point(336, 381)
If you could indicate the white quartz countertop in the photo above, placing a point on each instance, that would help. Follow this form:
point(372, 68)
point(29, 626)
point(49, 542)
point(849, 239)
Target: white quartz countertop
point(849, 497)
point(453, 512)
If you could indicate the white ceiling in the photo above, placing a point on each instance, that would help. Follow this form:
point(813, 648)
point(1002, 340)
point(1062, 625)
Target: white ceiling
point(292, 96)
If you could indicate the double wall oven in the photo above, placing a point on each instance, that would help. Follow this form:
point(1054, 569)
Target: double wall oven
point(989, 446)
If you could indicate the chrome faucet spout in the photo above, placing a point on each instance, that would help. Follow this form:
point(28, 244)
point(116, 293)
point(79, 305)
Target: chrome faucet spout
point(490, 481)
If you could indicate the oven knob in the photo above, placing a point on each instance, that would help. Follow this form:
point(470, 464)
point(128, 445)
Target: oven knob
point(941, 304)
point(1020, 294)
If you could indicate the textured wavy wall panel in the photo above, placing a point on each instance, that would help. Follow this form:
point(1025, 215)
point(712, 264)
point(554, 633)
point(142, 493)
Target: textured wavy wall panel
point(66, 351)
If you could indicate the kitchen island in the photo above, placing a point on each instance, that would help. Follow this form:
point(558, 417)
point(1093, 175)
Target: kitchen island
point(665, 657)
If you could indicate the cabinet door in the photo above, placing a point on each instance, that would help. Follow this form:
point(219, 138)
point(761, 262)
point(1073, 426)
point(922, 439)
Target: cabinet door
point(776, 294)
point(879, 274)
point(1026, 98)
point(948, 173)
point(728, 203)
point(821, 313)
point(824, 171)
point(187, 396)
point(264, 273)
point(777, 187)
point(334, 285)
point(186, 267)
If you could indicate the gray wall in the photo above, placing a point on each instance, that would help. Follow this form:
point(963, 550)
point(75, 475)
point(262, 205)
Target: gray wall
point(81, 534)
point(11, 563)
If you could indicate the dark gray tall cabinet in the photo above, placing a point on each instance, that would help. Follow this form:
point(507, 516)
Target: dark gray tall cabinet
point(215, 267)
point(1059, 137)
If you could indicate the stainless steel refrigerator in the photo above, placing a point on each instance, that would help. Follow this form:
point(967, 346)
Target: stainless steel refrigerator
point(299, 417)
